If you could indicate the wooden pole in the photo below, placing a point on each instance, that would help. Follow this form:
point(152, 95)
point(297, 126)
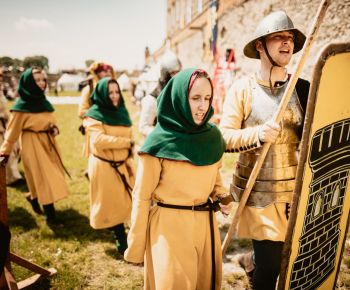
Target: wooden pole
point(277, 118)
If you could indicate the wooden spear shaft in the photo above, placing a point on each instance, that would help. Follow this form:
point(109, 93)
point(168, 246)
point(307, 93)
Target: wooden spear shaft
point(277, 118)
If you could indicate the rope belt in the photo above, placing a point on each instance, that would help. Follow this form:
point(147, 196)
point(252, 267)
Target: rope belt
point(115, 165)
point(210, 207)
point(47, 132)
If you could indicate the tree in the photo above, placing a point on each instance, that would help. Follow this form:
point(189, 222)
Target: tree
point(37, 60)
point(11, 63)
point(17, 63)
point(6, 61)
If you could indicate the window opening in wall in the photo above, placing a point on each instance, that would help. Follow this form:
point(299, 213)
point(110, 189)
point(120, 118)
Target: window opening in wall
point(318, 205)
point(335, 196)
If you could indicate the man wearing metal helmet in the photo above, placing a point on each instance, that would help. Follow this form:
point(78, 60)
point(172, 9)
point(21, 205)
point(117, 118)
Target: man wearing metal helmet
point(169, 66)
point(246, 124)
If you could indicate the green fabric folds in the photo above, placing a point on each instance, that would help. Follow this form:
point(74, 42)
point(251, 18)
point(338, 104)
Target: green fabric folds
point(103, 109)
point(31, 98)
point(176, 136)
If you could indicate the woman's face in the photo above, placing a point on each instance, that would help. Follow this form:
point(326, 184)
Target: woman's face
point(114, 94)
point(199, 99)
point(39, 79)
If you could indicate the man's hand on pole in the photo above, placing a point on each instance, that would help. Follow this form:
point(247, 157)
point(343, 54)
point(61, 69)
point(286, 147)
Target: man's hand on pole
point(269, 132)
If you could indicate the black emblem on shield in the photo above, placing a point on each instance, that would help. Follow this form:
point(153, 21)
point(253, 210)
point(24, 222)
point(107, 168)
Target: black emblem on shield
point(330, 164)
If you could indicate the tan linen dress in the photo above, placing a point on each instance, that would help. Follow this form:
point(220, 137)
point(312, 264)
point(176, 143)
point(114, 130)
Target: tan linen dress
point(110, 203)
point(43, 170)
point(176, 243)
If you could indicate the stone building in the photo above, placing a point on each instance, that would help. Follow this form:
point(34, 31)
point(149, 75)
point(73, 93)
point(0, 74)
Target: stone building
point(190, 23)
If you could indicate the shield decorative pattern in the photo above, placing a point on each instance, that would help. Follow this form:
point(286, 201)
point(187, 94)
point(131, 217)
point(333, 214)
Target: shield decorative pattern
point(320, 214)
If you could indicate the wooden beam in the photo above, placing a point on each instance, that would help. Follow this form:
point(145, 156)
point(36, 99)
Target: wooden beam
point(28, 265)
point(33, 279)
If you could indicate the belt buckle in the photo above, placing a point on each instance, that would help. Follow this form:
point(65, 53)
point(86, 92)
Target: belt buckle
point(193, 207)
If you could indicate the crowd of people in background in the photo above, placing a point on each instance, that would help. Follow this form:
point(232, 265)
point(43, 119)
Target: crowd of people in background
point(173, 230)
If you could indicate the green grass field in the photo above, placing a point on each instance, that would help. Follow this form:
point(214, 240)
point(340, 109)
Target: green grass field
point(85, 258)
point(64, 93)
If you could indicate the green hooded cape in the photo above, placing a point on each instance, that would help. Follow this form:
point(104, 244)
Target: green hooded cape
point(31, 98)
point(103, 109)
point(176, 136)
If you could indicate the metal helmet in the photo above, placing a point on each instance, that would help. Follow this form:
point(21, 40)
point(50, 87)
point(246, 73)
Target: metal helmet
point(170, 62)
point(274, 22)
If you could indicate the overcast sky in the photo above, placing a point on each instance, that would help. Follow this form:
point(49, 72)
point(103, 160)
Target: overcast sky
point(69, 32)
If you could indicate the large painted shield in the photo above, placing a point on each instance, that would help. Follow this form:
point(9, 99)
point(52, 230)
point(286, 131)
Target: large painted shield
point(320, 213)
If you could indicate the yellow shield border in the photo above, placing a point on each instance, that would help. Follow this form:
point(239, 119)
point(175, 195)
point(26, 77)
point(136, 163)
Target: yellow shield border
point(306, 263)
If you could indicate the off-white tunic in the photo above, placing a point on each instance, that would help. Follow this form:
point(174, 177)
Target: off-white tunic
point(176, 243)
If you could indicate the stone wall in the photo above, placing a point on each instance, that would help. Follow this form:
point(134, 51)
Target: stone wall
point(237, 25)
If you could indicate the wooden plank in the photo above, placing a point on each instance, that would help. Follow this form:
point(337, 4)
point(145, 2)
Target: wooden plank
point(3, 283)
point(28, 265)
point(11, 282)
point(33, 279)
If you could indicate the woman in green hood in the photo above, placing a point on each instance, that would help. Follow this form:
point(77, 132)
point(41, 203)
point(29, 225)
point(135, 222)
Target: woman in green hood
point(179, 175)
point(33, 122)
point(110, 168)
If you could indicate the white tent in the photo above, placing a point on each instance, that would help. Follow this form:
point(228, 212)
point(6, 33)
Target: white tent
point(69, 82)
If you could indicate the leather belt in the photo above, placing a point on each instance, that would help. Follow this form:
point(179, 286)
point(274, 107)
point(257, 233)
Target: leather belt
point(115, 165)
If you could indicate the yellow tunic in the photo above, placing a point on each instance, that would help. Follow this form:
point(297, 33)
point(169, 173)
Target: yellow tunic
point(268, 223)
point(43, 170)
point(110, 203)
point(176, 243)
